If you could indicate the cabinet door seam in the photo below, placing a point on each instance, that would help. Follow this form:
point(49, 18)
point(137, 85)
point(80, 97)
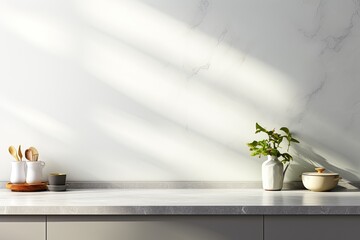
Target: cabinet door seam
point(263, 227)
point(46, 226)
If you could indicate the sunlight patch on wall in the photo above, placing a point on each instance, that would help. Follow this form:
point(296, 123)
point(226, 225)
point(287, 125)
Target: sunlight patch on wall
point(38, 120)
point(40, 29)
point(170, 145)
point(193, 105)
point(153, 59)
point(170, 41)
point(138, 64)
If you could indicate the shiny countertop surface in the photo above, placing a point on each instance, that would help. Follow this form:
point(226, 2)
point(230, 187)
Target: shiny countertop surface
point(179, 202)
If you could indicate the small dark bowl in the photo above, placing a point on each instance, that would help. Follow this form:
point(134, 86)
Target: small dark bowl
point(57, 178)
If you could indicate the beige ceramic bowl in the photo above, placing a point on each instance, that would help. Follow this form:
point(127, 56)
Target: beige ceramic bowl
point(320, 181)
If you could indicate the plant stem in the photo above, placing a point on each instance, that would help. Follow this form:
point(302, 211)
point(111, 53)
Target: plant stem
point(286, 168)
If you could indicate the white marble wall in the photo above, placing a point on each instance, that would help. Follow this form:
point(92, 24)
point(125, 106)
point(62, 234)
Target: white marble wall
point(171, 90)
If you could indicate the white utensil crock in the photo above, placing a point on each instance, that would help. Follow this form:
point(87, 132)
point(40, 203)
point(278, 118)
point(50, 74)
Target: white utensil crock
point(272, 174)
point(18, 172)
point(34, 171)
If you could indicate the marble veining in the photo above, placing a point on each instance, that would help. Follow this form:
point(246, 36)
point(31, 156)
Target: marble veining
point(179, 202)
point(332, 40)
point(309, 97)
point(200, 13)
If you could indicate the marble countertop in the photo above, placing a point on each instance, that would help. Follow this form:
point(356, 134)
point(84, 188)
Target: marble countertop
point(179, 202)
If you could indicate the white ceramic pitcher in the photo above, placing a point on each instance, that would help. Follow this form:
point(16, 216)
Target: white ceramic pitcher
point(17, 172)
point(34, 171)
point(272, 174)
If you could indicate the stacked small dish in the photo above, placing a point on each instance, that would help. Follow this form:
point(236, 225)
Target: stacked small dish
point(57, 182)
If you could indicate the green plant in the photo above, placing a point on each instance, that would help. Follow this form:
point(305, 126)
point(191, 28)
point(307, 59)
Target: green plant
point(272, 144)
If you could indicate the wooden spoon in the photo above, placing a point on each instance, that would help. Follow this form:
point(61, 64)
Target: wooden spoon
point(35, 153)
point(12, 151)
point(20, 153)
point(28, 154)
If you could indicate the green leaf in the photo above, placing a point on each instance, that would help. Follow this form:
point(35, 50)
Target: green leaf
point(276, 136)
point(259, 128)
point(273, 152)
point(254, 154)
point(271, 145)
point(287, 156)
point(252, 144)
point(285, 129)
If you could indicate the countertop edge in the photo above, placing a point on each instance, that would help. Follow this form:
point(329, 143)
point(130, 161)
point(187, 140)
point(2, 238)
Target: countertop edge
point(179, 210)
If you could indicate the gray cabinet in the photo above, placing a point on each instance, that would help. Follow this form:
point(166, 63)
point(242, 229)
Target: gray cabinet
point(22, 228)
point(179, 227)
point(311, 227)
point(155, 227)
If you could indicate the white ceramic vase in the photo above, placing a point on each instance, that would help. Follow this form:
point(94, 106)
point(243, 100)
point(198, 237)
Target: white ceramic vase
point(18, 172)
point(34, 171)
point(272, 174)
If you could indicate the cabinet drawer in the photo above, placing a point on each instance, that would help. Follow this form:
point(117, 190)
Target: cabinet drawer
point(311, 227)
point(22, 227)
point(154, 227)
